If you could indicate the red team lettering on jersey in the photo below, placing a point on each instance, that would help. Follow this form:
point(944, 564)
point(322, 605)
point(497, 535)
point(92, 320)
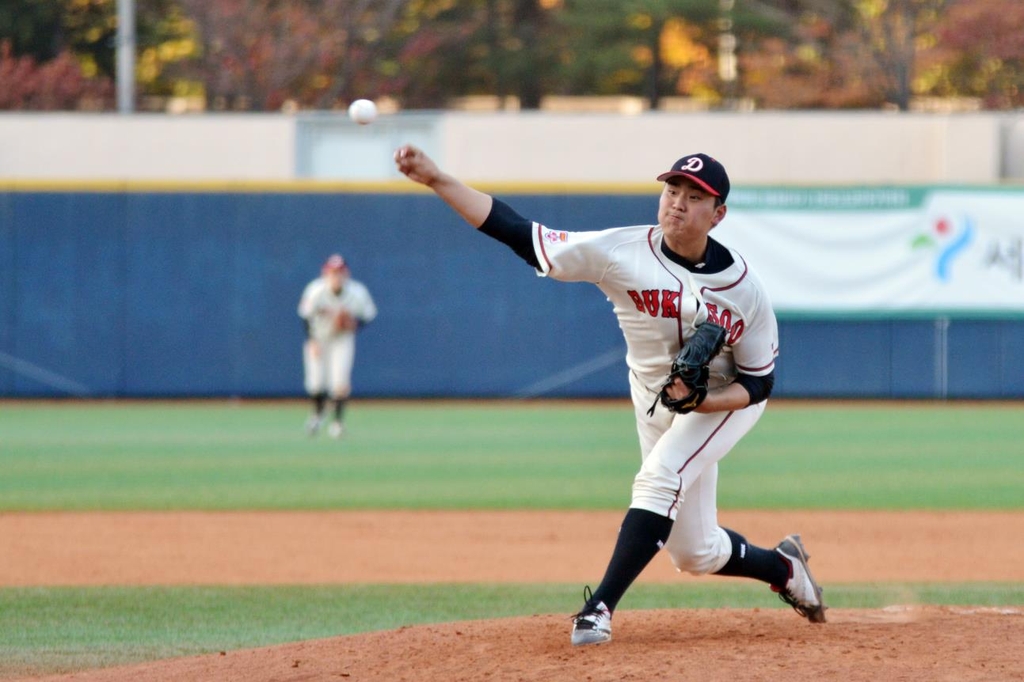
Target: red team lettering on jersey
point(665, 303)
point(725, 318)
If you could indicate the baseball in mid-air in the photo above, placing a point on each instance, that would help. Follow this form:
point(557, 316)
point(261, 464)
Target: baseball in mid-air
point(362, 111)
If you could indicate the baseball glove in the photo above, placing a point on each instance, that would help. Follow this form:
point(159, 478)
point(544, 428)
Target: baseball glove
point(345, 322)
point(691, 366)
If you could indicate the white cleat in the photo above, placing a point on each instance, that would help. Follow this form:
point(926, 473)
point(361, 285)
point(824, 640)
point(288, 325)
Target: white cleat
point(593, 624)
point(313, 424)
point(336, 430)
point(801, 591)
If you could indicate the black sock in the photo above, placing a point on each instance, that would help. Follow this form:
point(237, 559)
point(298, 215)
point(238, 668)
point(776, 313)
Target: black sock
point(748, 561)
point(318, 403)
point(339, 409)
point(642, 534)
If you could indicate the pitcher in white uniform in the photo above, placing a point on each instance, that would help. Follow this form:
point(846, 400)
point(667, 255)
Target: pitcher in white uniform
point(663, 280)
point(333, 307)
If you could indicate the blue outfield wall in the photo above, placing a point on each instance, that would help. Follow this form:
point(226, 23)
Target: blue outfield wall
point(194, 293)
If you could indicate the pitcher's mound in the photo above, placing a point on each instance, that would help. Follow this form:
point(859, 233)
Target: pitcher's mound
point(895, 643)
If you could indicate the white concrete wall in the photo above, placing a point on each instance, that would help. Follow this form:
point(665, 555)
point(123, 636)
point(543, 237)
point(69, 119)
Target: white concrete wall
point(757, 148)
point(146, 147)
point(1013, 147)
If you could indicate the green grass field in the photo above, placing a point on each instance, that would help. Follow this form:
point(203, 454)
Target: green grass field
point(450, 455)
point(491, 455)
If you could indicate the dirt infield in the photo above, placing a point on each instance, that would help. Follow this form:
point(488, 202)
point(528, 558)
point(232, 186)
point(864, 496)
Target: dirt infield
point(901, 642)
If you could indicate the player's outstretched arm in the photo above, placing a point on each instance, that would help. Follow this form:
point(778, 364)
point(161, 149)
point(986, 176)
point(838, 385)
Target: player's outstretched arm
point(474, 206)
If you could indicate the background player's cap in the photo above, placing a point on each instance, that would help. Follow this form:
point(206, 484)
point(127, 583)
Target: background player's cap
point(335, 262)
point(702, 169)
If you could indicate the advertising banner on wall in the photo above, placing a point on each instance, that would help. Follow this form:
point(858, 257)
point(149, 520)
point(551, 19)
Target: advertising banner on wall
point(883, 249)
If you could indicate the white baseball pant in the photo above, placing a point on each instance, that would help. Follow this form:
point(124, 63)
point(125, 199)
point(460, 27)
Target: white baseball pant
point(679, 475)
point(330, 370)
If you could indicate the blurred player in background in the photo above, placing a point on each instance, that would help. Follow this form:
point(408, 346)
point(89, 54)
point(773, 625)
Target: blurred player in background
point(334, 307)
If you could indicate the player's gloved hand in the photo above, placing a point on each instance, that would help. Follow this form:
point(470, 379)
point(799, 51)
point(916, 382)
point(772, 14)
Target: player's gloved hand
point(691, 367)
point(345, 322)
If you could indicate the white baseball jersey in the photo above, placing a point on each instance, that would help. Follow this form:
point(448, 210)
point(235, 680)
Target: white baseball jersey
point(659, 303)
point(320, 306)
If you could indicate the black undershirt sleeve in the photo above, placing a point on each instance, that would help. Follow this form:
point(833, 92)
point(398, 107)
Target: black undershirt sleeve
point(511, 229)
point(759, 388)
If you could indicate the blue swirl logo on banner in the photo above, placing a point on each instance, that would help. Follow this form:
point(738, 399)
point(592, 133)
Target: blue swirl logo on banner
point(949, 240)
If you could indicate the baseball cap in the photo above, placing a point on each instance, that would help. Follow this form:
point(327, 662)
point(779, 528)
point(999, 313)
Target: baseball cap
point(707, 172)
point(335, 262)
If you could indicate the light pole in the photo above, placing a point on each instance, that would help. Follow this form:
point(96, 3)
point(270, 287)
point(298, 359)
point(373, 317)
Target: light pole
point(125, 56)
point(727, 49)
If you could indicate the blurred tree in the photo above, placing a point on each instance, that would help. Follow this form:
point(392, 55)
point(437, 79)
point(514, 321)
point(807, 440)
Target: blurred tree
point(815, 63)
point(844, 54)
point(665, 48)
point(321, 54)
point(32, 28)
point(524, 49)
point(979, 52)
point(633, 47)
point(57, 84)
point(90, 29)
point(260, 54)
point(82, 32)
point(890, 33)
point(442, 49)
point(445, 49)
point(42, 29)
